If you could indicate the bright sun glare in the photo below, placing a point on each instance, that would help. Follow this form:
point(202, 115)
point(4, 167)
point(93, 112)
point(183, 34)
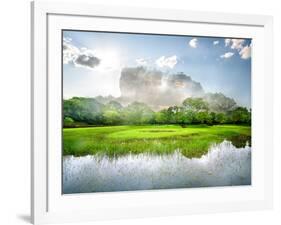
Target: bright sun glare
point(110, 59)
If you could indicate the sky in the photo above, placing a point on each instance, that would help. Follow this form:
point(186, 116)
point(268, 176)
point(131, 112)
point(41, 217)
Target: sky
point(93, 61)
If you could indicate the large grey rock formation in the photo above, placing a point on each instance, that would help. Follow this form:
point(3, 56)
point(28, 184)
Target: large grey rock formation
point(155, 88)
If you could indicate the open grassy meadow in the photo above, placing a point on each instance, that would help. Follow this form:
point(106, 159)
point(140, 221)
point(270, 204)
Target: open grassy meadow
point(113, 141)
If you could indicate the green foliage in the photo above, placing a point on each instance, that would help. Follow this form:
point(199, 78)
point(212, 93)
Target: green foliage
point(111, 117)
point(188, 117)
point(68, 122)
point(162, 117)
point(86, 110)
point(112, 113)
point(113, 105)
point(220, 118)
point(195, 104)
point(240, 115)
point(201, 117)
point(219, 103)
point(192, 111)
point(138, 113)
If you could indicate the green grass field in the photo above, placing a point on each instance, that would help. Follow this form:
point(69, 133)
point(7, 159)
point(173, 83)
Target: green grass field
point(114, 141)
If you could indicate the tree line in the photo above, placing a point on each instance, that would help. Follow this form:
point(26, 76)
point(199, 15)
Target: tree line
point(79, 111)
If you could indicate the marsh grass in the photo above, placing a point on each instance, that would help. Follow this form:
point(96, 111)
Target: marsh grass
point(114, 141)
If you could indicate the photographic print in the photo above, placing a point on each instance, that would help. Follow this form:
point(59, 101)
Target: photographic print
point(154, 111)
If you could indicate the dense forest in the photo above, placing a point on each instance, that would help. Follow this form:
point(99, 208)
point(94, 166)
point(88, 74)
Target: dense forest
point(211, 109)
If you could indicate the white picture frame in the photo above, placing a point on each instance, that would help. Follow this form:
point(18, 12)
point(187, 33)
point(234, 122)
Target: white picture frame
point(48, 205)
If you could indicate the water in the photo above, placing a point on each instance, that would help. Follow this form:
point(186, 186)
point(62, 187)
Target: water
point(223, 165)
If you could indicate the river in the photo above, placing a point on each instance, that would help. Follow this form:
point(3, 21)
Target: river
point(223, 165)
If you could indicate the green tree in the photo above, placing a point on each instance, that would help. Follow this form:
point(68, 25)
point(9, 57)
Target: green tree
point(240, 115)
point(113, 105)
point(220, 118)
point(203, 117)
point(138, 113)
point(68, 122)
point(161, 117)
point(195, 104)
point(189, 117)
point(173, 114)
point(111, 117)
point(86, 110)
point(219, 103)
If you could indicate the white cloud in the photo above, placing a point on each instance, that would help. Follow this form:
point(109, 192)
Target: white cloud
point(110, 59)
point(245, 52)
point(82, 57)
point(69, 51)
point(234, 43)
point(67, 39)
point(141, 62)
point(193, 43)
point(227, 42)
point(216, 42)
point(167, 61)
point(227, 55)
point(237, 43)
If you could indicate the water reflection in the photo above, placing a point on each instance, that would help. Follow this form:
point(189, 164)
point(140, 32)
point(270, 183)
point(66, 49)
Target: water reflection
point(225, 164)
point(240, 141)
